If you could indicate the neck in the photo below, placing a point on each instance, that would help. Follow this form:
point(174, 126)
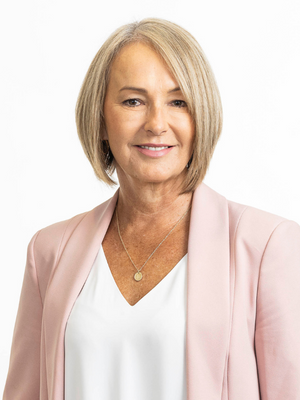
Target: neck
point(147, 205)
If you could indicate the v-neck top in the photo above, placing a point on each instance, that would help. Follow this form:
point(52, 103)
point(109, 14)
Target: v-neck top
point(115, 351)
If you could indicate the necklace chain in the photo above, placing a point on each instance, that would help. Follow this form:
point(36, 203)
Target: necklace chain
point(138, 275)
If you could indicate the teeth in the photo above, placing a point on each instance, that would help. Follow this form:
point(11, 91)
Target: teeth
point(154, 148)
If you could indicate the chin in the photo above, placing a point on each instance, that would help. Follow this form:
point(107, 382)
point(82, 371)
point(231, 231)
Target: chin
point(157, 177)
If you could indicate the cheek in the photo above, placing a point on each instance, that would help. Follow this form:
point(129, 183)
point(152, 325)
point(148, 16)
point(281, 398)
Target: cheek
point(187, 130)
point(191, 129)
point(122, 123)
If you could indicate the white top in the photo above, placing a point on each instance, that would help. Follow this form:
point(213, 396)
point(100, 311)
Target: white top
point(115, 351)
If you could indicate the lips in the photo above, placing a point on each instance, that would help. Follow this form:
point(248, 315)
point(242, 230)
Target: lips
point(154, 145)
point(146, 145)
point(154, 153)
point(143, 146)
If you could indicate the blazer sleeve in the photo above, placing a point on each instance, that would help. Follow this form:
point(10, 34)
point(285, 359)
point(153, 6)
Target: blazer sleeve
point(277, 332)
point(22, 382)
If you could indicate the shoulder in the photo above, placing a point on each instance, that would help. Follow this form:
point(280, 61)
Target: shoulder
point(242, 218)
point(49, 242)
point(254, 227)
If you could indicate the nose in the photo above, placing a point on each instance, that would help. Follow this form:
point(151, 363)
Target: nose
point(156, 120)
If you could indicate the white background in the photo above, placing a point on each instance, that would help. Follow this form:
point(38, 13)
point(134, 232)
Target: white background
point(46, 48)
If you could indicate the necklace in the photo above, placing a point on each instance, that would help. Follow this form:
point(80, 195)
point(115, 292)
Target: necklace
point(138, 275)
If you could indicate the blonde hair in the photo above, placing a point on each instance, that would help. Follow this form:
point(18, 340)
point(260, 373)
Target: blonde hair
point(187, 61)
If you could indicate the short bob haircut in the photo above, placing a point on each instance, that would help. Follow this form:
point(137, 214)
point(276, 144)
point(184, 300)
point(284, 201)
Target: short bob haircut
point(187, 62)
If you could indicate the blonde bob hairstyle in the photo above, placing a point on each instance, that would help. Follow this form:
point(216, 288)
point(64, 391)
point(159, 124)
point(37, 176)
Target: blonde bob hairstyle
point(187, 62)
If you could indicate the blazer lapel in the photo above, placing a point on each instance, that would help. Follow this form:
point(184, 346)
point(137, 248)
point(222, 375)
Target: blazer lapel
point(208, 291)
point(66, 284)
point(208, 295)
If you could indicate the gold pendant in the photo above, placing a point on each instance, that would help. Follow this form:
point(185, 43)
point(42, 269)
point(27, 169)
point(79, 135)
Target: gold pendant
point(138, 276)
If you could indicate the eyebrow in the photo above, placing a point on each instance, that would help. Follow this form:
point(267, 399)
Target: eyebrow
point(136, 89)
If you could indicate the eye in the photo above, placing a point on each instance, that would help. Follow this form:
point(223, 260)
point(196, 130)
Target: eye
point(181, 103)
point(129, 102)
point(132, 103)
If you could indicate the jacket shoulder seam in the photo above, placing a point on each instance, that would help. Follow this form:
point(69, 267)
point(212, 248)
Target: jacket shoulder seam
point(263, 253)
point(261, 261)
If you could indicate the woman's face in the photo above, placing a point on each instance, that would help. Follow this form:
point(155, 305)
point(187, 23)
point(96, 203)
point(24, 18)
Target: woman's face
point(144, 106)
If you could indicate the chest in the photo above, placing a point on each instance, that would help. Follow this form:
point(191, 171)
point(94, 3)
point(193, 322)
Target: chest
point(164, 259)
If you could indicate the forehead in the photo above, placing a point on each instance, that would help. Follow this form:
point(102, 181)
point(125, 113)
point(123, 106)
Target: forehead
point(135, 50)
point(139, 63)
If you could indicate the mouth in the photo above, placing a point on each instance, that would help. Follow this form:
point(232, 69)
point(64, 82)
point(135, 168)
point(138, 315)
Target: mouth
point(154, 151)
point(154, 147)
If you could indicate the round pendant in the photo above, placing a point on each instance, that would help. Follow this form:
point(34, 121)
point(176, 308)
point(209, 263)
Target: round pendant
point(138, 276)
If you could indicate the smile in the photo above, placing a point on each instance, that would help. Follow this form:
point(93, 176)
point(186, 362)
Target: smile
point(154, 152)
point(154, 148)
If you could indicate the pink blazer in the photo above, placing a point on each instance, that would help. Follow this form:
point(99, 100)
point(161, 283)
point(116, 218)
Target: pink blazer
point(243, 306)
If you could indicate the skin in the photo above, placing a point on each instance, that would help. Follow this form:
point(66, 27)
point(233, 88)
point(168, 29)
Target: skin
point(149, 187)
point(149, 200)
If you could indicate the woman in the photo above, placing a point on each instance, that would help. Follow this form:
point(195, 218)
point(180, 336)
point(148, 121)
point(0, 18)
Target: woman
point(167, 290)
